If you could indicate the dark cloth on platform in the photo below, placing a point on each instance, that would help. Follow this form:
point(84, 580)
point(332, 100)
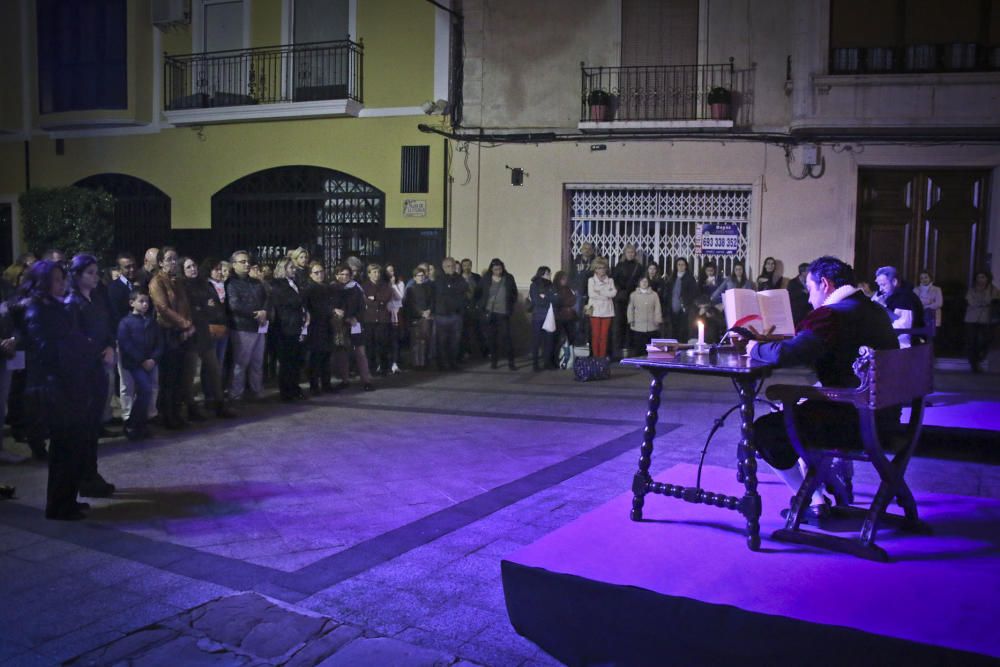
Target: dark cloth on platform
point(827, 340)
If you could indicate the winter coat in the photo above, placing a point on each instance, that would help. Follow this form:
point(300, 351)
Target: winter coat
point(289, 309)
point(644, 312)
point(377, 298)
point(509, 289)
point(419, 297)
point(173, 310)
point(541, 295)
point(244, 296)
point(449, 294)
point(601, 292)
point(319, 302)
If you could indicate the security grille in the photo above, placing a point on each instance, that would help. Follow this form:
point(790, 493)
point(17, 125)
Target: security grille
point(661, 221)
point(142, 212)
point(330, 213)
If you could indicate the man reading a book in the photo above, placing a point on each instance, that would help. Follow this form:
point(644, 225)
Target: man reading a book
point(827, 339)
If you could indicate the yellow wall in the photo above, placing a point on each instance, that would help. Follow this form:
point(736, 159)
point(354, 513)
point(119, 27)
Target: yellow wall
point(191, 168)
point(399, 51)
point(10, 72)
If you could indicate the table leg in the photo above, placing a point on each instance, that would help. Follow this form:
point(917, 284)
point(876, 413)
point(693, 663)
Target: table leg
point(641, 479)
point(750, 506)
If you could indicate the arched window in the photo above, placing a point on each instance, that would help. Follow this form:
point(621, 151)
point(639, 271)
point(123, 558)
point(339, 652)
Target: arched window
point(332, 214)
point(142, 211)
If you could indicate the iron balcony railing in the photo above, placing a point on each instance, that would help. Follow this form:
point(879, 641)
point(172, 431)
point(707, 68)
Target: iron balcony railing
point(266, 75)
point(656, 93)
point(915, 58)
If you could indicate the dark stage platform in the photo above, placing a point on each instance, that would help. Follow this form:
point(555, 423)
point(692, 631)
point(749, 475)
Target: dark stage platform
point(682, 588)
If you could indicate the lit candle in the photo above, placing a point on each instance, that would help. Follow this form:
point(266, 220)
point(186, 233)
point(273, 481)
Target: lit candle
point(701, 333)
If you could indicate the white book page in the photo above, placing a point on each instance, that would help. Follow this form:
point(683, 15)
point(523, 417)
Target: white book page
point(776, 308)
point(738, 303)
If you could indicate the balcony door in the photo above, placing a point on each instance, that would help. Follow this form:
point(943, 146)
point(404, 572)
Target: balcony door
point(320, 72)
point(925, 219)
point(660, 52)
point(225, 76)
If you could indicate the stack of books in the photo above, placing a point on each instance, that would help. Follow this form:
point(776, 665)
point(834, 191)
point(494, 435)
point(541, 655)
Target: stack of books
point(664, 348)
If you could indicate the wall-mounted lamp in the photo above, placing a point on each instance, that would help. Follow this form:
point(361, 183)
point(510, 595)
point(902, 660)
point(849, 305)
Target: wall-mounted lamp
point(517, 175)
point(440, 107)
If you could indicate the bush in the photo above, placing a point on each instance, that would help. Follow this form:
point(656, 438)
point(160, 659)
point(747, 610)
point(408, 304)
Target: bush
point(71, 219)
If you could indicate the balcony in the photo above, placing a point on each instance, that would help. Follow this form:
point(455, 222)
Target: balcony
point(301, 80)
point(663, 97)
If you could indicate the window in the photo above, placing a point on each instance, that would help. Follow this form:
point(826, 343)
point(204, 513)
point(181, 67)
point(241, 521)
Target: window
point(320, 72)
point(82, 60)
point(914, 35)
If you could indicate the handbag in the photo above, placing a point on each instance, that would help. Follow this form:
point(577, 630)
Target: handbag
point(588, 369)
point(217, 331)
point(550, 321)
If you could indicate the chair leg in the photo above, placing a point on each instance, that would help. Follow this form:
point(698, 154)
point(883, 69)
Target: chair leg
point(802, 498)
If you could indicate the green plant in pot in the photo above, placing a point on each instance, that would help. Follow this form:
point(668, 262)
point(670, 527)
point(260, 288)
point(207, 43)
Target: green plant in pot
point(600, 105)
point(719, 102)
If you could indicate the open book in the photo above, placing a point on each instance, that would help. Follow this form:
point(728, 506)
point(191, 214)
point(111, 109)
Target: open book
point(761, 310)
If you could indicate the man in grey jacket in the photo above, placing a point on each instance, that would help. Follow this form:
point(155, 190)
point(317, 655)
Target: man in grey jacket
point(246, 300)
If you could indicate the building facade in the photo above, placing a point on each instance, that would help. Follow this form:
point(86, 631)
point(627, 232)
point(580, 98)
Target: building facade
point(224, 124)
point(868, 130)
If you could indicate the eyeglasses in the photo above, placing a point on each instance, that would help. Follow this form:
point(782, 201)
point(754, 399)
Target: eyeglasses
point(316, 271)
point(242, 261)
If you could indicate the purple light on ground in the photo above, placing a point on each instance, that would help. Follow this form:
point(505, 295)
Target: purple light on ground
point(960, 411)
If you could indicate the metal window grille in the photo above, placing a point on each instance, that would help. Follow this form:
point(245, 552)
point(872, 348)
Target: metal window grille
point(661, 221)
point(414, 167)
point(142, 211)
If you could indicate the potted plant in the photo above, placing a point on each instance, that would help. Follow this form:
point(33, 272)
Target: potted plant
point(719, 100)
point(600, 105)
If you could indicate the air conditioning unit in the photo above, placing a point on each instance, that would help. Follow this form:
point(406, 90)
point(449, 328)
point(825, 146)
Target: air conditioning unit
point(169, 13)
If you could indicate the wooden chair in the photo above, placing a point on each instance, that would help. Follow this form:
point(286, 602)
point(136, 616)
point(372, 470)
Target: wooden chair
point(888, 378)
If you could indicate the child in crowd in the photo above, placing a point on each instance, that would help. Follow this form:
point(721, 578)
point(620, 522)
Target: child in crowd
point(644, 316)
point(140, 344)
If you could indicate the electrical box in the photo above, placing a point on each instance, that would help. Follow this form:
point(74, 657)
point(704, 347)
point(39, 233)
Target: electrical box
point(809, 155)
point(168, 13)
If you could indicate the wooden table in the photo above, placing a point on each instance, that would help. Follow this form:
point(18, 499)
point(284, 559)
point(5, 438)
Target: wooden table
point(746, 375)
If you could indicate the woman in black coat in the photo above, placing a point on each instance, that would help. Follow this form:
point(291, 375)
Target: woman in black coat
point(319, 303)
point(290, 321)
point(208, 314)
point(62, 383)
point(678, 300)
point(349, 304)
point(542, 296)
point(418, 307)
point(91, 312)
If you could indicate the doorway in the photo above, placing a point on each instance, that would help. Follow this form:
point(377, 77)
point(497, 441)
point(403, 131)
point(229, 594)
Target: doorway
point(925, 219)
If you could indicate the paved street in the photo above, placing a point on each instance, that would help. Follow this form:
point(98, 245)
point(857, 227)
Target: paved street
point(360, 528)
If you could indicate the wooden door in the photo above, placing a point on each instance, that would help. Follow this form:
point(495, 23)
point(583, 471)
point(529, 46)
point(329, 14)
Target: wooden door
point(924, 219)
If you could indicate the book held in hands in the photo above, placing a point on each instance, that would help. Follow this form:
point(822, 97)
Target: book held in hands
point(760, 310)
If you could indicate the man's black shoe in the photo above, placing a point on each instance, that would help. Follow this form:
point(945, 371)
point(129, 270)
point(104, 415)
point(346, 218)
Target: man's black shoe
point(814, 515)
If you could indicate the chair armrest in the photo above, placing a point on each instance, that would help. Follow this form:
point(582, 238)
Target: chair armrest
point(790, 394)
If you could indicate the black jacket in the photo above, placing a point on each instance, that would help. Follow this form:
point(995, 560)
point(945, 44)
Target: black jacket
point(139, 338)
point(289, 309)
point(627, 275)
point(118, 299)
point(689, 291)
point(205, 310)
point(449, 294)
point(418, 298)
point(319, 300)
point(541, 295)
point(94, 317)
point(510, 287)
point(243, 297)
point(829, 337)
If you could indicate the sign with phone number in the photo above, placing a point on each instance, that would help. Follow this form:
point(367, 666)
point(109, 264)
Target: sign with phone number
point(717, 239)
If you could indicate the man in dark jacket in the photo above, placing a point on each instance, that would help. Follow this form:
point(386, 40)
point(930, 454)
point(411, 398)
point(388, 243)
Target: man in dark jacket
point(679, 294)
point(449, 302)
point(898, 298)
point(828, 339)
point(246, 300)
point(798, 294)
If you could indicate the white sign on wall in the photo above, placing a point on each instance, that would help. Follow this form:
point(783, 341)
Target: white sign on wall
point(720, 238)
point(414, 208)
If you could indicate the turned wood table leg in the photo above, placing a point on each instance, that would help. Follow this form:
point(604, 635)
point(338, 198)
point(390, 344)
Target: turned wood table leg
point(641, 479)
point(747, 464)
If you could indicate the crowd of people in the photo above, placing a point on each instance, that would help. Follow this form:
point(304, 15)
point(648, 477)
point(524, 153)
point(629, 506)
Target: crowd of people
point(75, 339)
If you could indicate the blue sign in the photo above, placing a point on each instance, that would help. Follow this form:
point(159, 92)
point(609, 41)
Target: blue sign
point(720, 238)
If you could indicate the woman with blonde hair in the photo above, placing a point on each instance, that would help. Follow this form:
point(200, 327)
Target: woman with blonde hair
point(299, 266)
point(601, 309)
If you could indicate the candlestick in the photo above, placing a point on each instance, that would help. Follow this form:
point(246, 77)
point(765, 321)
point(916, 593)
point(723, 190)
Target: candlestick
point(701, 332)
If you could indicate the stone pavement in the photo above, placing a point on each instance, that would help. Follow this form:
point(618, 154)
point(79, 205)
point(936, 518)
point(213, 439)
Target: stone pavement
point(356, 528)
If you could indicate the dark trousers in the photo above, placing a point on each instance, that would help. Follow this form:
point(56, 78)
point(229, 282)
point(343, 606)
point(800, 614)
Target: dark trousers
point(497, 335)
point(448, 329)
point(143, 382)
point(319, 368)
point(67, 453)
point(377, 345)
point(680, 326)
point(541, 343)
point(639, 340)
point(95, 399)
point(176, 379)
point(978, 338)
point(619, 328)
point(289, 355)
